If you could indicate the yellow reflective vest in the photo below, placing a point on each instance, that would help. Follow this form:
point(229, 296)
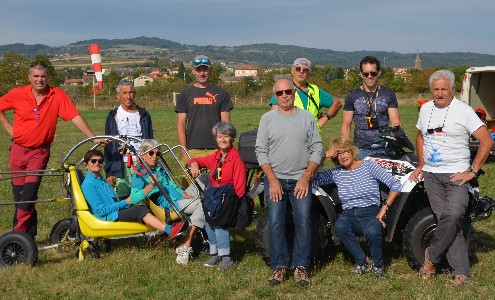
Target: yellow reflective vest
point(314, 92)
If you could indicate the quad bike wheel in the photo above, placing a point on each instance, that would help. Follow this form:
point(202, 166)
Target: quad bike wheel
point(418, 234)
point(17, 248)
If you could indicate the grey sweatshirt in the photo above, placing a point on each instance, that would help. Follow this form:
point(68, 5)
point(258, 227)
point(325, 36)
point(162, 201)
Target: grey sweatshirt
point(288, 142)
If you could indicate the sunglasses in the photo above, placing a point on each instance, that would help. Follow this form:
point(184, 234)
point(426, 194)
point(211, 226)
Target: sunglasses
point(342, 153)
point(373, 74)
point(287, 92)
point(151, 153)
point(434, 130)
point(304, 70)
point(94, 161)
point(197, 62)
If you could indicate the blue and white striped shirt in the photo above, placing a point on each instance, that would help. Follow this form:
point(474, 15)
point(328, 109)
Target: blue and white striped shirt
point(358, 187)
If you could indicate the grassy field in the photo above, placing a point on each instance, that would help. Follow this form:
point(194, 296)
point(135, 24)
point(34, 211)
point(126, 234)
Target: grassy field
point(139, 268)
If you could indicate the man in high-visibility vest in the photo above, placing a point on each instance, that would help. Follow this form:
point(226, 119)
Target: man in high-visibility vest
point(309, 96)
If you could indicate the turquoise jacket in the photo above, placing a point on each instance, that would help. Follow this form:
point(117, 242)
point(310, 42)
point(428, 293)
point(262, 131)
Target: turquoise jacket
point(139, 182)
point(102, 200)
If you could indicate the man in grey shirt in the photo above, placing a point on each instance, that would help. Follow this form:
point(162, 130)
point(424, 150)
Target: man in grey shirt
point(289, 150)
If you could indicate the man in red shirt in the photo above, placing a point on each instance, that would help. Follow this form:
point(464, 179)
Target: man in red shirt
point(36, 107)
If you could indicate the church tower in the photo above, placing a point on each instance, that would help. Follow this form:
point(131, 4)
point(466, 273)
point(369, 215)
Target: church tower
point(417, 62)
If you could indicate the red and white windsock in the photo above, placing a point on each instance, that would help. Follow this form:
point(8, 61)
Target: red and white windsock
point(94, 50)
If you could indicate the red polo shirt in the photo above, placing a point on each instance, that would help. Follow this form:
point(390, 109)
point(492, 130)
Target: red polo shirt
point(34, 125)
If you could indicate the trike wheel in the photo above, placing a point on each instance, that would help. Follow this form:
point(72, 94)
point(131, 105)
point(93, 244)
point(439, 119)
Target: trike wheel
point(61, 232)
point(17, 248)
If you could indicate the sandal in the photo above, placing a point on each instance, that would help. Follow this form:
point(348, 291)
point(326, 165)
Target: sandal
point(428, 269)
point(459, 280)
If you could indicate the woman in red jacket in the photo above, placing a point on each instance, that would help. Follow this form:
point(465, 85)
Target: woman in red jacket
point(226, 167)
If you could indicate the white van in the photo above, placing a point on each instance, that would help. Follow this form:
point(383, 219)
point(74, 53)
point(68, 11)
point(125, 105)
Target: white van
point(478, 91)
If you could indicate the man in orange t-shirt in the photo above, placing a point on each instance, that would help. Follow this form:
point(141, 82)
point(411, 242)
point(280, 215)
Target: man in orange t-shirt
point(36, 107)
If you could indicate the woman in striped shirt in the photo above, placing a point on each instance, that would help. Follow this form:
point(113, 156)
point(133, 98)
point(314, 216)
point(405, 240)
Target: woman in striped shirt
point(363, 214)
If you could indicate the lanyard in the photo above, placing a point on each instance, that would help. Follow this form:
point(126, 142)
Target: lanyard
point(370, 102)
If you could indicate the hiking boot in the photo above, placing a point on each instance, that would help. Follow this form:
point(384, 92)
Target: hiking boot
point(212, 261)
point(378, 272)
point(277, 276)
point(361, 269)
point(226, 263)
point(183, 254)
point(301, 276)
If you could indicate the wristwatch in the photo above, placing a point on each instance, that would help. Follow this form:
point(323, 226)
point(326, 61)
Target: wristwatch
point(471, 169)
point(325, 114)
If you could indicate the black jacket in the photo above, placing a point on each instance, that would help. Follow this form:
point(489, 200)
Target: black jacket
point(113, 159)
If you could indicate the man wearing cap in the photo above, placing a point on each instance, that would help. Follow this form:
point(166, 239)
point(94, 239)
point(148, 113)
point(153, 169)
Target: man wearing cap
point(198, 109)
point(372, 106)
point(36, 107)
point(130, 120)
point(309, 96)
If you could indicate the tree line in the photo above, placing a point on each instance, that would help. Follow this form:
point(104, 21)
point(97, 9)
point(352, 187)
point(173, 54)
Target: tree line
point(14, 69)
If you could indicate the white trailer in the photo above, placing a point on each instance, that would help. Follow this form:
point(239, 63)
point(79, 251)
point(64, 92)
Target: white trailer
point(478, 91)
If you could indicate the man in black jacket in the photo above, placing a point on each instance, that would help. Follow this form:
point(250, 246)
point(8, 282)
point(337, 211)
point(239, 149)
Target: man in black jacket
point(130, 120)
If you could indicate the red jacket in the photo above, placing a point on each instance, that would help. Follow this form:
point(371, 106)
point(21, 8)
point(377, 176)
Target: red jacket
point(233, 170)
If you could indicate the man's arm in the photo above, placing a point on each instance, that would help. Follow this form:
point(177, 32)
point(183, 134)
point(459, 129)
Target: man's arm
point(486, 143)
point(332, 112)
point(274, 186)
point(418, 172)
point(393, 114)
point(6, 124)
point(181, 130)
point(347, 116)
point(225, 116)
point(336, 106)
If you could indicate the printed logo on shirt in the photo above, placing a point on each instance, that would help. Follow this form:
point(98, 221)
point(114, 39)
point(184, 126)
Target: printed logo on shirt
point(207, 100)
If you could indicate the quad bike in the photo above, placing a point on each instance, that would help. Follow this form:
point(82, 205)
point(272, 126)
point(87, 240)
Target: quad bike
point(83, 228)
point(410, 220)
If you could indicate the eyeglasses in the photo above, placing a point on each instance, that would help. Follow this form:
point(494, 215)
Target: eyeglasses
point(151, 153)
point(343, 153)
point(37, 116)
point(434, 130)
point(94, 161)
point(300, 69)
point(373, 74)
point(199, 61)
point(287, 92)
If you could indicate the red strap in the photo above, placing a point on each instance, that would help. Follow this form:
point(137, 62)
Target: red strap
point(131, 162)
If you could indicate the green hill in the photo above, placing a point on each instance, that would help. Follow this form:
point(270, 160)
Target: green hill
point(267, 54)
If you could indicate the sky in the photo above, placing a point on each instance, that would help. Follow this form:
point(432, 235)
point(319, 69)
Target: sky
point(341, 25)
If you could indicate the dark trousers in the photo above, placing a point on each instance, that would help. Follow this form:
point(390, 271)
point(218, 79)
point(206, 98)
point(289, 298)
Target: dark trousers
point(25, 188)
point(448, 201)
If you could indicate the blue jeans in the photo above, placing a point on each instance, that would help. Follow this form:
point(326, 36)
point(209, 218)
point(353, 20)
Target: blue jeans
point(219, 239)
point(361, 221)
point(368, 152)
point(301, 209)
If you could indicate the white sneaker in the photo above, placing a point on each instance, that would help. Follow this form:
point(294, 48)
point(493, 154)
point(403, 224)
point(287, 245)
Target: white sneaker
point(183, 254)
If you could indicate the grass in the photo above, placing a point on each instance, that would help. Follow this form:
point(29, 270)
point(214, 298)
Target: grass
point(139, 268)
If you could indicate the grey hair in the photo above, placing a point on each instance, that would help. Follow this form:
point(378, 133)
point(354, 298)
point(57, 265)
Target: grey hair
point(38, 65)
point(443, 74)
point(125, 82)
point(148, 144)
point(224, 128)
point(289, 81)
